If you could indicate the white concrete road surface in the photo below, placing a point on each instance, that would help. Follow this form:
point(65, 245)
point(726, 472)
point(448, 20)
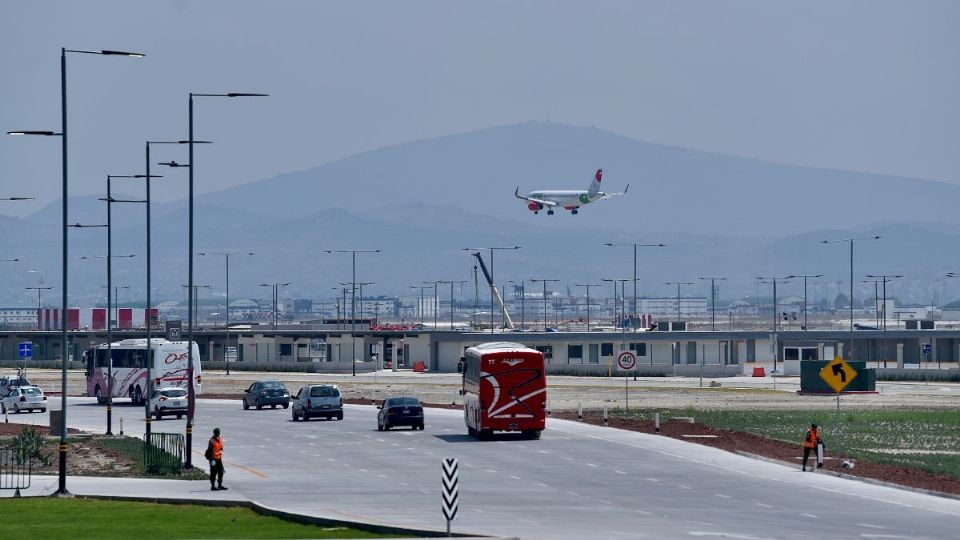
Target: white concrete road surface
point(578, 481)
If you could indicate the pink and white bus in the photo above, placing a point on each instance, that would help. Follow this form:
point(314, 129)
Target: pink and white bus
point(168, 368)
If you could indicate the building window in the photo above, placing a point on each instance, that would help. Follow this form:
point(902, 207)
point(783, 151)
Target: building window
point(575, 352)
point(286, 349)
point(640, 349)
point(606, 349)
point(547, 351)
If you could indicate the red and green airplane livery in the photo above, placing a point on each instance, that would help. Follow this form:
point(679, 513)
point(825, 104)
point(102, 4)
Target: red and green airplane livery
point(568, 199)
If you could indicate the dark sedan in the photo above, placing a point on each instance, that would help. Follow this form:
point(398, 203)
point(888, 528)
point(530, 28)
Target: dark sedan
point(264, 393)
point(400, 411)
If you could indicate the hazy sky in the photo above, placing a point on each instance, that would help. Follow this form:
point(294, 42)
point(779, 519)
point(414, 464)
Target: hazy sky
point(862, 85)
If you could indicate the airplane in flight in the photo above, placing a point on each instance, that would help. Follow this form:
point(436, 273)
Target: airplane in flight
point(568, 199)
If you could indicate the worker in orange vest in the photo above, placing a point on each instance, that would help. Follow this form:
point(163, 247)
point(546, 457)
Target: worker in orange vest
point(214, 454)
point(812, 441)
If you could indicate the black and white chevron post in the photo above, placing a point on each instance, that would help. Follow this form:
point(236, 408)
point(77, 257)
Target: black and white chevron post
point(451, 489)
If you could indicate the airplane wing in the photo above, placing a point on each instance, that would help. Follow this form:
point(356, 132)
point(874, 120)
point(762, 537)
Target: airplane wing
point(517, 194)
point(612, 195)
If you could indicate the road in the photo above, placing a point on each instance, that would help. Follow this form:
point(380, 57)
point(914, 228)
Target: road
point(577, 481)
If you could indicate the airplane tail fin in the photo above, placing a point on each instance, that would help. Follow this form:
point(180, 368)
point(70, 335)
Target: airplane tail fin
point(595, 185)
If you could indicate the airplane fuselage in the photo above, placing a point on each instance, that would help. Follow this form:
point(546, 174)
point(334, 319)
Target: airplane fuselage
point(567, 198)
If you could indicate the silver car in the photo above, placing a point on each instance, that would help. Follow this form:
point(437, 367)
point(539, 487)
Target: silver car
point(317, 400)
point(24, 398)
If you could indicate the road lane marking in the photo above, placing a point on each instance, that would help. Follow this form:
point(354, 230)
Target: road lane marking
point(250, 470)
point(681, 486)
point(620, 472)
point(763, 505)
point(514, 477)
point(869, 526)
point(652, 479)
point(811, 516)
point(591, 464)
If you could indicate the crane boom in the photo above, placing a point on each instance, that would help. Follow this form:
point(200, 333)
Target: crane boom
point(496, 293)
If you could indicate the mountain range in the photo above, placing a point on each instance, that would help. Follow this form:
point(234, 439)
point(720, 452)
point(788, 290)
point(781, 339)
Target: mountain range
point(422, 202)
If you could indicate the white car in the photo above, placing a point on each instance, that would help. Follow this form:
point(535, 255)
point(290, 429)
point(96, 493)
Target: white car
point(168, 401)
point(24, 398)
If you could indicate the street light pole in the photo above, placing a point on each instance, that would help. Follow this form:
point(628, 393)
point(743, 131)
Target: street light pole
point(776, 314)
point(226, 256)
point(62, 447)
point(678, 284)
point(850, 241)
point(587, 286)
point(544, 281)
point(191, 395)
point(353, 302)
point(39, 290)
point(635, 246)
point(713, 299)
point(805, 276)
point(492, 279)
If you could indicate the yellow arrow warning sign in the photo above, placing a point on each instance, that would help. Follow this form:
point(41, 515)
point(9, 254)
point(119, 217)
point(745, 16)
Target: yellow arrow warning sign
point(838, 374)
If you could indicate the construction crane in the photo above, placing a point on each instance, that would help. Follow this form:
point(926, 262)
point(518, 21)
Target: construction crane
point(496, 293)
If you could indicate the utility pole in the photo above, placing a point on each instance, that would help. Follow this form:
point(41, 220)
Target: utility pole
point(713, 299)
point(678, 284)
point(544, 281)
point(587, 286)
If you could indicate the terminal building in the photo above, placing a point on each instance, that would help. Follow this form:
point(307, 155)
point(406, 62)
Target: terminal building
point(329, 346)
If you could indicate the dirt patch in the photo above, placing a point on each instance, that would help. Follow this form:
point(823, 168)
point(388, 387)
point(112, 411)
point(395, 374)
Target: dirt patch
point(84, 456)
point(734, 441)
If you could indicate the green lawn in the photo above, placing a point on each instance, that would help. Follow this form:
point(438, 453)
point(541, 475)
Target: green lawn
point(864, 434)
point(38, 518)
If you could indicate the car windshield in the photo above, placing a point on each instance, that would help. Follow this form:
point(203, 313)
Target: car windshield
point(31, 391)
point(175, 393)
point(403, 402)
point(324, 391)
point(272, 385)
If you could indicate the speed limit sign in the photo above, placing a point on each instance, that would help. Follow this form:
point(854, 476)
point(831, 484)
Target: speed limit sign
point(626, 360)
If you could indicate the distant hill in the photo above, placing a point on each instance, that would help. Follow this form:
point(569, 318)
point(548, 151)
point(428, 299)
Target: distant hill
point(672, 189)
point(423, 202)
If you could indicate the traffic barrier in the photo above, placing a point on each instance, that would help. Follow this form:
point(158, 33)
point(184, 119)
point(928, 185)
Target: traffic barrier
point(419, 367)
point(163, 453)
point(759, 372)
point(15, 470)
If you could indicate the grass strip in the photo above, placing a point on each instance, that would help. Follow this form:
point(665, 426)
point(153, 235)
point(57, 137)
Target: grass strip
point(39, 518)
point(864, 434)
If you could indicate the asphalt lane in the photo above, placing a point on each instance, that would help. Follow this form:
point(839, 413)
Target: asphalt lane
point(577, 481)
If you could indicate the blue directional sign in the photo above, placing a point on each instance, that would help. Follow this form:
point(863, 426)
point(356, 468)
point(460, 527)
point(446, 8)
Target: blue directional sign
point(26, 349)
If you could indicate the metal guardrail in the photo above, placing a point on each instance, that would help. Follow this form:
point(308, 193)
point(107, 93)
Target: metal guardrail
point(163, 453)
point(15, 472)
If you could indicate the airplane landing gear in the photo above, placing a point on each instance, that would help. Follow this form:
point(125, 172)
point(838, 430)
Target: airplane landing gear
point(549, 212)
point(574, 212)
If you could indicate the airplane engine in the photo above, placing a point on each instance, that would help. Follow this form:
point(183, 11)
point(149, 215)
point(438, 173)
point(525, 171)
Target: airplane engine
point(535, 207)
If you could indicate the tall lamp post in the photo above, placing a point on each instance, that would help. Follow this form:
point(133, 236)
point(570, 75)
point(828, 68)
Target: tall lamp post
point(805, 276)
point(436, 300)
point(678, 284)
point(191, 396)
point(544, 281)
point(109, 257)
point(39, 291)
point(275, 287)
point(62, 448)
point(226, 256)
point(452, 283)
point(773, 280)
point(713, 299)
point(523, 300)
point(420, 306)
point(492, 279)
point(587, 286)
point(850, 241)
point(886, 278)
point(635, 245)
point(353, 302)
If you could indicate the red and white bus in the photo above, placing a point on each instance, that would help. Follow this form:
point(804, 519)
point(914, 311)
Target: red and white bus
point(504, 389)
point(168, 368)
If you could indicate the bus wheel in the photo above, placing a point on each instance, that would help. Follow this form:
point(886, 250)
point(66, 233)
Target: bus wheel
point(97, 392)
point(471, 432)
point(532, 434)
point(137, 396)
point(484, 434)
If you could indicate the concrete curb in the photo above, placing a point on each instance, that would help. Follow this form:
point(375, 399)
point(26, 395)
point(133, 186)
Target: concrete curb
point(289, 516)
point(864, 479)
